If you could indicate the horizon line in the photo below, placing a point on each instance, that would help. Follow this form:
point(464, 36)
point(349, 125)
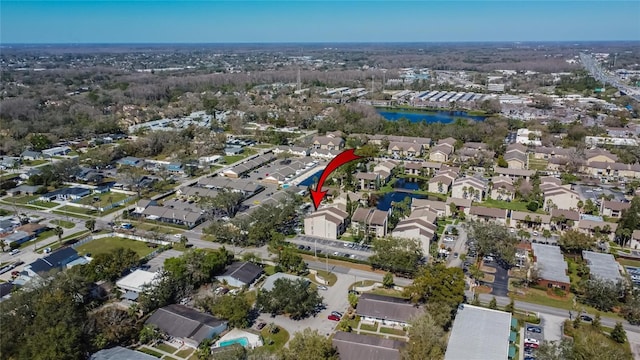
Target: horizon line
point(315, 42)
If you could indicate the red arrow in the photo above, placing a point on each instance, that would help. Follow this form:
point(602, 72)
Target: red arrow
point(344, 157)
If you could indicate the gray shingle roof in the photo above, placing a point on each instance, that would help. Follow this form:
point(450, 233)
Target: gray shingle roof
point(387, 308)
point(366, 347)
point(183, 322)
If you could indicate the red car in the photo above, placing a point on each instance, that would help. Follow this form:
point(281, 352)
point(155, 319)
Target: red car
point(333, 317)
point(531, 345)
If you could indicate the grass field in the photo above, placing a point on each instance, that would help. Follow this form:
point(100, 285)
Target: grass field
point(63, 224)
point(279, 339)
point(368, 327)
point(103, 199)
point(542, 298)
point(166, 348)
point(513, 205)
point(331, 278)
point(78, 210)
point(537, 164)
point(108, 244)
point(71, 214)
point(627, 262)
point(184, 353)
point(150, 352)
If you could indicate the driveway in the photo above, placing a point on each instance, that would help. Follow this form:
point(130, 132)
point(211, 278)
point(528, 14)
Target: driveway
point(335, 299)
point(500, 286)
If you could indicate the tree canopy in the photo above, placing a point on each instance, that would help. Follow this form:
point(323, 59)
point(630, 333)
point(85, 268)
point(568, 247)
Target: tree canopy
point(573, 241)
point(437, 284)
point(309, 345)
point(295, 298)
point(494, 239)
point(400, 256)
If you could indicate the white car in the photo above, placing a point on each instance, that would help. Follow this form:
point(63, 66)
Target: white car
point(535, 233)
point(531, 341)
point(177, 235)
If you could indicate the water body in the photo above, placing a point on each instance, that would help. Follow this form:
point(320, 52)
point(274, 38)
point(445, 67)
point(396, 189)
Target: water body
point(311, 179)
point(416, 116)
point(384, 202)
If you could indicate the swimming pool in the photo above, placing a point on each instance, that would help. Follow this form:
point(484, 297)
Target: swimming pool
point(242, 341)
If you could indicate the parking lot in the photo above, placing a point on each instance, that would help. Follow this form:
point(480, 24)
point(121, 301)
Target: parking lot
point(594, 192)
point(533, 337)
point(333, 247)
point(634, 274)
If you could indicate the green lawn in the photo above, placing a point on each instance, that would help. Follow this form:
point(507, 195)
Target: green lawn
point(368, 327)
point(392, 331)
point(78, 210)
point(269, 270)
point(387, 292)
point(513, 205)
point(330, 277)
point(103, 199)
point(156, 228)
point(108, 244)
point(166, 348)
point(279, 339)
point(150, 352)
point(184, 353)
point(363, 283)
point(64, 224)
point(44, 204)
point(23, 199)
point(540, 297)
point(627, 262)
point(537, 164)
point(230, 159)
point(71, 214)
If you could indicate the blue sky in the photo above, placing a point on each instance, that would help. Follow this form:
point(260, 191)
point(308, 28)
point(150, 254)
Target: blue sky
point(316, 21)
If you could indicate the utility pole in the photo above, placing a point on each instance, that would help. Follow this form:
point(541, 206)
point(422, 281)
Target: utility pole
point(299, 85)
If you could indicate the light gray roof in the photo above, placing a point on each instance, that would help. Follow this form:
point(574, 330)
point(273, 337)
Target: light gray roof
point(388, 308)
point(603, 266)
point(550, 263)
point(183, 322)
point(120, 353)
point(479, 333)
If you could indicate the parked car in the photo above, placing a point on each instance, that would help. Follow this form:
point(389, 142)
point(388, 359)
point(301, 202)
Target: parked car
point(261, 325)
point(529, 358)
point(336, 313)
point(14, 251)
point(534, 329)
point(333, 317)
point(531, 345)
point(531, 341)
point(354, 292)
point(586, 318)
point(322, 287)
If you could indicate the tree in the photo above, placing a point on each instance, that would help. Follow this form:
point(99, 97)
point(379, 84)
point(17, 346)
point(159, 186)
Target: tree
point(511, 306)
point(113, 326)
point(183, 241)
point(226, 203)
point(90, 225)
point(387, 280)
point(353, 300)
point(3, 245)
point(618, 334)
point(493, 304)
point(631, 309)
point(555, 350)
point(602, 294)
point(295, 298)
point(629, 221)
point(596, 323)
point(493, 239)
point(309, 345)
point(426, 339)
point(290, 260)
point(573, 241)
point(546, 234)
point(148, 334)
point(234, 308)
point(58, 231)
point(400, 256)
point(532, 206)
point(437, 284)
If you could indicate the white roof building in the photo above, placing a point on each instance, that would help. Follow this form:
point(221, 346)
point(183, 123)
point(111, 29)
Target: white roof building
point(137, 281)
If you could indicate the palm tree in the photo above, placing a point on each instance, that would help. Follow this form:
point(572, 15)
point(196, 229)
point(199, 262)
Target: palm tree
point(90, 225)
point(580, 205)
point(58, 231)
point(183, 241)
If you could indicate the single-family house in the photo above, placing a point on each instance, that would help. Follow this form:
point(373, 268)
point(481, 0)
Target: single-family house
point(57, 151)
point(187, 324)
point(133, 284)
point(386, 310)
point(57, 260)
point(241, 273)
point(120, 353)
point(327, 222)
point(131, 161)
point(31, 155)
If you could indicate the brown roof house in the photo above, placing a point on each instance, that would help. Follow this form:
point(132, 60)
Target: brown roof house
point(488, 214)
point(328, 222)
point(502, 188)
point(353, 346)
point(371, 221)
point(613, 208)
